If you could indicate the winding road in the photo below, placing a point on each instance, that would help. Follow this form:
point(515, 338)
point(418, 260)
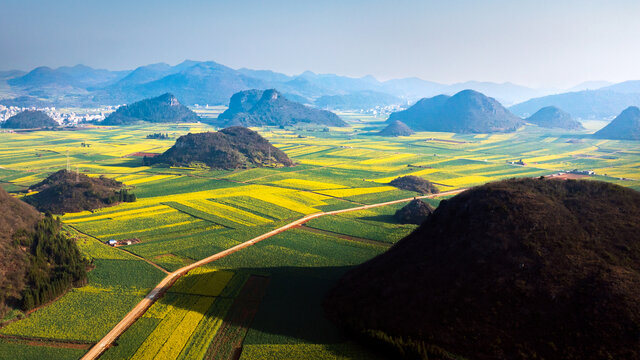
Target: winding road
point(168, 281)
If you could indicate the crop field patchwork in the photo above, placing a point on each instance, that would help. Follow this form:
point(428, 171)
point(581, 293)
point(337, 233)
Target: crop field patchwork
point(184, 214)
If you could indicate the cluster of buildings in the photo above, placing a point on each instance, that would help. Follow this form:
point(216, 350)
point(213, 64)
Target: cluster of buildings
point(66, 117)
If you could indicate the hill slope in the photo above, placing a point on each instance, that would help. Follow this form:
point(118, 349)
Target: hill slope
point(37, 262)
point(269, 107)
point(16, 215)
point(162, 109)
point(65, 191)
point(518, 269)
point(396, 128)
point(465, 112)
point(553, 117)
point(230, 148)
point(625, 126)
point(30, 119)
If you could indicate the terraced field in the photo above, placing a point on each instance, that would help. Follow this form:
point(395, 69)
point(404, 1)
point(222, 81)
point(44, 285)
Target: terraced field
point(183, 215)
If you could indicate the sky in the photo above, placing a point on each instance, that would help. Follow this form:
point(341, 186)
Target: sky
point(544, 44)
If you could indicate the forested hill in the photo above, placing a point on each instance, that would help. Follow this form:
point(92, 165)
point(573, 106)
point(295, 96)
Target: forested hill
point(231, 148)
point(269, 107)
point(527, 268)
point(30, 119)
point(37, 261)
point(162, 109)
point(65, 191)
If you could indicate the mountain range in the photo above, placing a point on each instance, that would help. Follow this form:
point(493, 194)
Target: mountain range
point(208, 82)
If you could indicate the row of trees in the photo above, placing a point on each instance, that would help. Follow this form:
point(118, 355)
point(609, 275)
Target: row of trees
point(122, 196)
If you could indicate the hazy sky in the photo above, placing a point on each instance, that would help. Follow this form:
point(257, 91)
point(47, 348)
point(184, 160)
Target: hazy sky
point(537, 43)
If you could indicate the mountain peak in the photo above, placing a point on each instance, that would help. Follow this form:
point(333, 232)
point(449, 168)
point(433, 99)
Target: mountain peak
point(468, 111)
point(269, 107)
point(162, 109)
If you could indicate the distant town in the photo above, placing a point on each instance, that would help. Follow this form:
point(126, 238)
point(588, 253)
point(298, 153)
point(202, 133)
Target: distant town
point(67, 117)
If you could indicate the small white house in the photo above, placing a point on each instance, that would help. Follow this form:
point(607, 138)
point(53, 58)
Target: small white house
point(112, 242)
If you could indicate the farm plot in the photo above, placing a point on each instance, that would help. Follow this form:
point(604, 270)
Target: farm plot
point(118, 282)
point(375, 224)
point(182, 323)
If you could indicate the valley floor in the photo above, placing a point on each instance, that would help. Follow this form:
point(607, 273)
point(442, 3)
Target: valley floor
point(264, 301)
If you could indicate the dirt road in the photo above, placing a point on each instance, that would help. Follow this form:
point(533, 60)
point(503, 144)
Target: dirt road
point(168, 281)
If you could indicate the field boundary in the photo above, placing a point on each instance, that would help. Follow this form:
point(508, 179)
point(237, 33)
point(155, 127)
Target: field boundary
point(168, 281)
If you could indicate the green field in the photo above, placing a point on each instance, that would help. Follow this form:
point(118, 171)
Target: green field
point(183, 215)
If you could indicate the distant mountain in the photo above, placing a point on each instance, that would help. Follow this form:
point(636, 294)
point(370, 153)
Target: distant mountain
point(144, 74)
point(625, 126)
point(30, 119)
point(162, 109)
point(43, 76)
point(519, 269)
point(79, 76)
point(396, 128)
point(26, 101)
point(413, 88)
point(589, 85)
point(507, 93)
point(365, 99)
point(587, 104)
point(553, 117)
point(466, 112)
point(627, 87)
point(65, 191)
point(10, 74)
point(269, 107)
point(198, 82)
point(231, 148)
point(266, 75)
point(193, 82)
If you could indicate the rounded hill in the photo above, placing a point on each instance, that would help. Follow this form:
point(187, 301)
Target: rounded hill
point(414, 183)
point(396, 128)
point(517, 269)
point(30, 119)
point(625, 126)
point(414, 212)
point(65, 191)
point(231, 148)
point(553, 117)
point(162, 109)
point(465, 112)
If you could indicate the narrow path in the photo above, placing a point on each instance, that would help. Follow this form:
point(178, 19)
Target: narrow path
point(168, 281)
